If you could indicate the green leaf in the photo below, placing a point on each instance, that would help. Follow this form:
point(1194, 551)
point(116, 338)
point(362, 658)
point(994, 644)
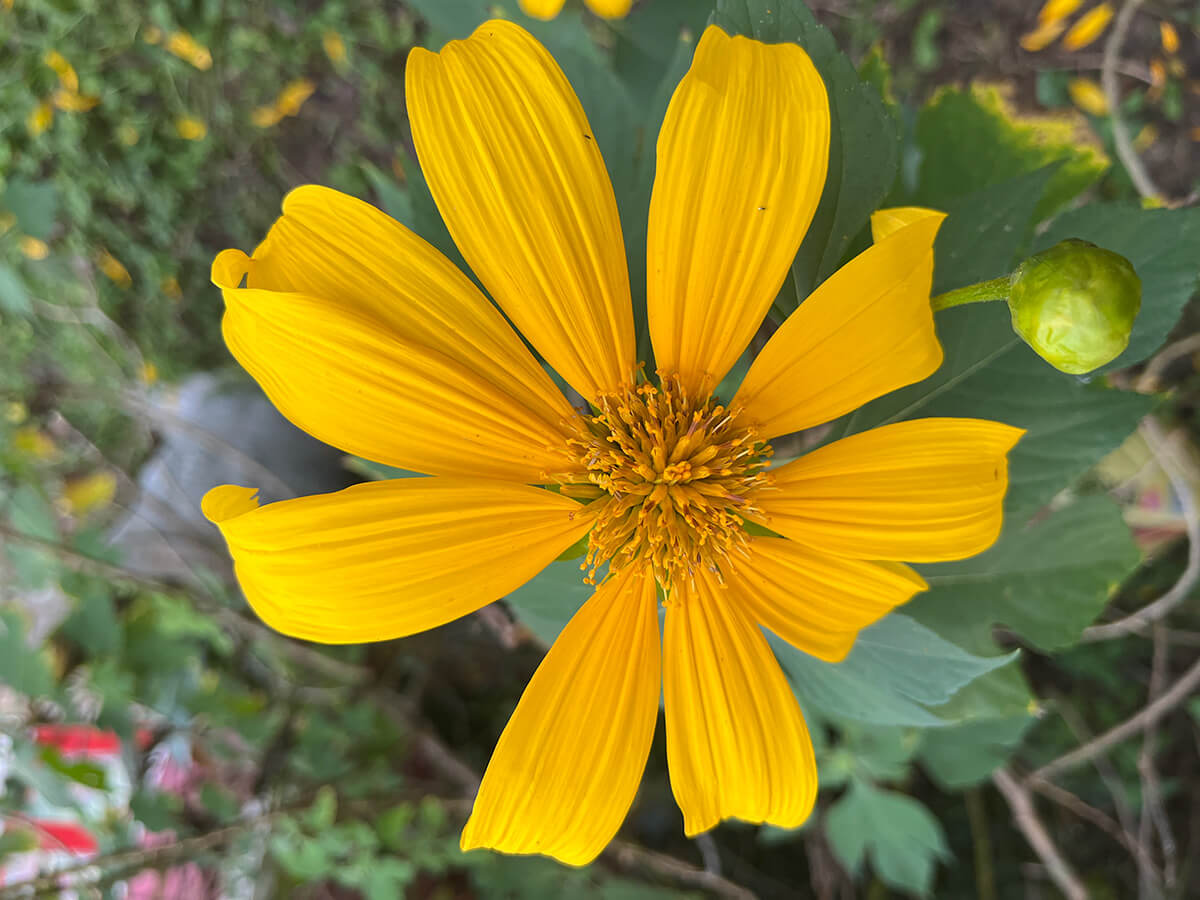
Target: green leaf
point(1047, 582)
point(23, 668)
point(156, 810)
point(864, 141)
point(545, 604)
point(323, 811)
point(901, 837)
point(1162, 244)
point(13, 297)
point(93, 624)
point(34, 203)
point(897, 668)
point(974, 138)
point(17, 840)
point(81, 771)
point(967, 753)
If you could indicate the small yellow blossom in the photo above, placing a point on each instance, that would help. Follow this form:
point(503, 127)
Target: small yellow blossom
point(8, 4)
point(1089, 27)
point(1057, 10)
point(1042, 36)
point(1170, 38)
point(32, 442)
point(148, 373)
point(128, 135)
point(41, 118)
point(33, 248)
point(15, 412)
point(335, 47)
point(266, 116)
point(70, 101)
point(1145, 138)
point(170, 287)
point(188, 48)
point(548, 9)
point(1158, 80)
point(63, 69)
point(113, 270)
point(89, 493)
point(190, 128)
point(152, 35)
point(1088, 96)
point(292, 97)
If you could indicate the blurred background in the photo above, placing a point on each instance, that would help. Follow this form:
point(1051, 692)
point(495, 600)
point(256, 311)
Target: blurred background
point(157, 741)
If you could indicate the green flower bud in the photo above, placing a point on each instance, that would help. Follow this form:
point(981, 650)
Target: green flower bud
point(1075, 304)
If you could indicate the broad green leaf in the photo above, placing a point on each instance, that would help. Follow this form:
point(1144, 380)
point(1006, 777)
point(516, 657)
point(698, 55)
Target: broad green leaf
point(93, 624)
point(14, 300)
point(902, 839)
point(967, 753)
point(23, 668)
point(1164, 247)
point(78, 770)
point(896, 669)
point(972, 138)
point(864, 141)
point(34, 203)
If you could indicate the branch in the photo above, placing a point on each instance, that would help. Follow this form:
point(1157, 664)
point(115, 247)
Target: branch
point(1021, 803)
point(1108, 81)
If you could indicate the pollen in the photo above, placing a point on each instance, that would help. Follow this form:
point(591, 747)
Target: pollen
point(673, 478)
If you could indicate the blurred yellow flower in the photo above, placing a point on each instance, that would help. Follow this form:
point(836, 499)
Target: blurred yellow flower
point(1145, 138)
point(41, 118)
point(63, 69)
point(170, 287)
point(113, 270)
point(188, 48)
point(1170, 37)
point(1057, 10)
point(33, 248)
point(15, 412)
point(266, 116)
point(152, 35)
point(1158, 80)
point(548, 9)
point(1089, 27)
point(31, 441)
point(128, 135)
point(69, 101)
point(88, 493)
point(1042, 36)
point(1088, 96)
point(149, 373)
point(190, 128)
point(335, 47)
point(292, 97)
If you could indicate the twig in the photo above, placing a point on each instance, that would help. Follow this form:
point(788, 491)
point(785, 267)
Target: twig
point(1152, 612)
point(1153, 816)
point(1108, 775)
point(981, 844)
point(1179, 692)
point(1021, 803)
point(1147, 382)
point(1108, 81)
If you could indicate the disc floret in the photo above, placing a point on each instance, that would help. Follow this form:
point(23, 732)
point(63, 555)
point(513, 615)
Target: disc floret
point(676, 476)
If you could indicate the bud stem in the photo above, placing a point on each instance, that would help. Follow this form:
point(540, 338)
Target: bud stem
point(996, 289)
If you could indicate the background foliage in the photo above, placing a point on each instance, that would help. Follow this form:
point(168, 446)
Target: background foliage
point(247, 758)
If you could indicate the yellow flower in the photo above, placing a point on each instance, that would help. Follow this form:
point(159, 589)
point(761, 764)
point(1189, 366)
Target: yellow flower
point(1158, 80)
point(127, 134)
point(292, 97)
point(548, 9)
point(113, 270)
point(33, 248)
point(69, 101)
point(335, 47)
point(266, 116)
point(63, 69)
point(1089, 27)
point(41, 118)
point(15, 412)
point(188, 48)
point(170, 287)
point(1057, 10)
point(89, 493)
point(1042, 36)
point(1170, 38)
point(368, 338)
point(149, 373)
point(1145, 138)
point(32, 442)
point(1088, 96)
point(190, 128)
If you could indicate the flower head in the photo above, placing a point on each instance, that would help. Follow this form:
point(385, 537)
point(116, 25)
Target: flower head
point(548, 9)
point(368, 338)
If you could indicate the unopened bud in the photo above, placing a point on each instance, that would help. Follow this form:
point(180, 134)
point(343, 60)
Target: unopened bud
point(1075, 304)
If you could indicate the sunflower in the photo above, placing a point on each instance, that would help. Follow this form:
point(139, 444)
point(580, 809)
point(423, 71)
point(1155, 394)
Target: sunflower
point(368, 338)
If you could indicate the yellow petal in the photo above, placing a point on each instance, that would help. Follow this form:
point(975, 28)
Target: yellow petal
point(190, 128)
point(1057, 10)
point(541, 9)
point(266, 116)
point(742, 156)
point(293, 96)
point(1088, 96)
point(886, 222)
point(568, 764)
point(63, 69)
point(1169, 36)
point(389, 558)
point(33, 248)
point(609, 9)
point(737, 745)
point(863, 332)
point(1042, 36)
point(816, 602)
point(517, 175)
point(1088, 27)
point(419, 394)
point(926, 490)
point(41, 118)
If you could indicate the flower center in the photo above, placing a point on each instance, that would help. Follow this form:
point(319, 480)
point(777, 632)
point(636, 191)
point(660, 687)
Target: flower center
point(677, 476)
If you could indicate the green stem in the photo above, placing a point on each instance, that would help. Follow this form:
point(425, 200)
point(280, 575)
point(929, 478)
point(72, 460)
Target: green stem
point(996, 289)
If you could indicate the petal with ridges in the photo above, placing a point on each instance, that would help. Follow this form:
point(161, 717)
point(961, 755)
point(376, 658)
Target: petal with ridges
point(518, 177)
point(816, 602)
point(390, 558)
point(568, 765)
point(886, 222)
point(926, 490)
point(737, 745)
point(339, 373)
point(742, 157)
point(865, 331)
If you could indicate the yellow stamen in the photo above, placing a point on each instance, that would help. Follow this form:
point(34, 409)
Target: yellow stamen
point(677, 476)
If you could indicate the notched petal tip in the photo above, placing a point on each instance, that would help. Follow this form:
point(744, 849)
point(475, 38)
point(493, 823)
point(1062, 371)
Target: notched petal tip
point(886, 222)
point(228, 501)
point(229, 268)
